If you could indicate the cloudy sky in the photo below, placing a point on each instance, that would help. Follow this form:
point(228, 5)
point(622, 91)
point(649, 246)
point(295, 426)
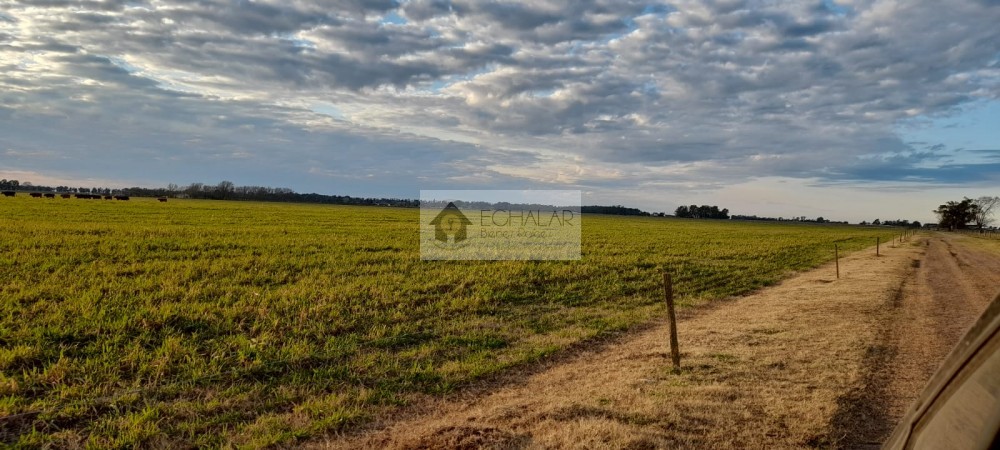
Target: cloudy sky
point(847, 109)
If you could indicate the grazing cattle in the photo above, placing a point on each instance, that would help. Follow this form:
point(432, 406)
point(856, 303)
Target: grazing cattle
point(162, 199)
point(106, 197)
point(65, 195)
point(9, 193)
point(36, 194)
point(81, 196)
point(50, 195)
point(121, 197)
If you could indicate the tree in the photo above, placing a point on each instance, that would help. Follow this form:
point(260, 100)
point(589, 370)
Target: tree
point(956, 215)
point(985, 207)
point(702, 212)
point(225, 189)
point(194, 188)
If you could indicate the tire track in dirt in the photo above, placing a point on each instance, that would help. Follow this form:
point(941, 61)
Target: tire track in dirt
point(947, 290)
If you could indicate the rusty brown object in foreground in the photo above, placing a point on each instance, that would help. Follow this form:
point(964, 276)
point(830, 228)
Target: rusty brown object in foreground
point(668, 291)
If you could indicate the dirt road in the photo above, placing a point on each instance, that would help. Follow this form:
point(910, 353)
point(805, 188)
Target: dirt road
point(813, 361)
point(950, 287)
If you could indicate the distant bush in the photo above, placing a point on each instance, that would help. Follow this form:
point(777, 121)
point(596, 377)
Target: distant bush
point(617, 210)
point(701, 212)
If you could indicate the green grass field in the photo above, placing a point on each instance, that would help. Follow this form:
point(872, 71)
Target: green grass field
point(201, 323)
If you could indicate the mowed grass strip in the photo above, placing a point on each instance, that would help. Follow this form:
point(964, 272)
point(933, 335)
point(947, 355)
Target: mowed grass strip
point(201, 323)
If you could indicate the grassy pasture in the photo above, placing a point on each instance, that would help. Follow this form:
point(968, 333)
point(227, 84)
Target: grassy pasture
point(202, 323)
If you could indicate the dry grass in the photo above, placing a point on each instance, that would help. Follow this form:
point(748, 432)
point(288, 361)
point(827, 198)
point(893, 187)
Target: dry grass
point(980, 243)
point(769, 370)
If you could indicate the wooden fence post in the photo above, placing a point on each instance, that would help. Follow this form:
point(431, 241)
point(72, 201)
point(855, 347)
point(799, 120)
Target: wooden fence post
point(836, 257)
point(668, 291)
point(878, 240)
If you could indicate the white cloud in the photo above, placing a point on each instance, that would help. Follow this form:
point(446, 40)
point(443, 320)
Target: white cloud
point(596, 94)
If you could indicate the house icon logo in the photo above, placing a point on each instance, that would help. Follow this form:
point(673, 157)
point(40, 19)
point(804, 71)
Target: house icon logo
point(450, 226)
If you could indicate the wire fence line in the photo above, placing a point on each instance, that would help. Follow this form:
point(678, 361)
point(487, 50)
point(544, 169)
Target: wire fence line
point(275, 368)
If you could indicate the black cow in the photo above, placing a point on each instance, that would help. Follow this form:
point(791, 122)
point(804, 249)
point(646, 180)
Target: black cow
point(65, 195)
point(162, 199)
point(9, 193)
point(121, 197)
point(50, 195)
point(106, 197)
point(36, 194)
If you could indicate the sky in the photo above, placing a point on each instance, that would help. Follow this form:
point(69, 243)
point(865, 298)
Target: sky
point(850, 110)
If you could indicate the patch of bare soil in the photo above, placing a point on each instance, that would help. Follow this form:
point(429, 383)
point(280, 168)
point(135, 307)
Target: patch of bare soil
point(466, 438)
point(812, 362)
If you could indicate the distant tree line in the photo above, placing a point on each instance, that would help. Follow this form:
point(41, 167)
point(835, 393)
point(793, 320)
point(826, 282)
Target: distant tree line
point(893, 223)
point(701, 212)
point(225, 190)
point(507, 206)
point(784, 219)
point(15, 185)
point(968, 213)
point(617, 210)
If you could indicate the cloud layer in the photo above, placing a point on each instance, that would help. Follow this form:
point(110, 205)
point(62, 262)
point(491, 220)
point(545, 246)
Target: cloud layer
point(386, 97)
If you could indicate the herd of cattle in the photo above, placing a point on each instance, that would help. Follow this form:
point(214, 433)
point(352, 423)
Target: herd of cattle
point(83, 196)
